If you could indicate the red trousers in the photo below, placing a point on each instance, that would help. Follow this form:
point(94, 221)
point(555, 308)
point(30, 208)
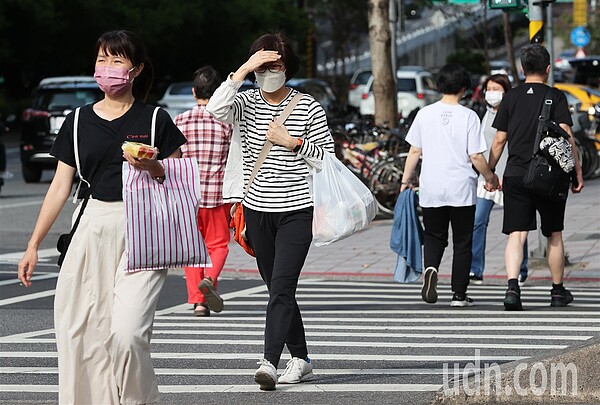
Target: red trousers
point(214, 226)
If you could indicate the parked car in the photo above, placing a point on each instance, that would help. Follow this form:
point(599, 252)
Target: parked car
point(55, 97)
point(583, 93)
point(179, 97)
point(358, 82)
point(416, 89)
point(323, 93)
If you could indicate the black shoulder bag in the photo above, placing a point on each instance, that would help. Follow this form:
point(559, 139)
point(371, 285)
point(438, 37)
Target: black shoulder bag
point(544, 176)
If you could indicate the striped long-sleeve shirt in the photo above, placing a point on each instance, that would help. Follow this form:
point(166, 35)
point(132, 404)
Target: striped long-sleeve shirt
point(281, 183)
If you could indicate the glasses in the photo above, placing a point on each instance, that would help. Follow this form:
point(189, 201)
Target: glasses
point(271, 68)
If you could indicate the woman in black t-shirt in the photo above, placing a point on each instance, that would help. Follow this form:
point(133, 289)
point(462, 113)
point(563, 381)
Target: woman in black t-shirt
point(103, 316)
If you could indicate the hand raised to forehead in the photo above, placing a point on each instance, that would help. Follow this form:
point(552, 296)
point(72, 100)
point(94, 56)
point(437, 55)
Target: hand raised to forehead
point(262, 57)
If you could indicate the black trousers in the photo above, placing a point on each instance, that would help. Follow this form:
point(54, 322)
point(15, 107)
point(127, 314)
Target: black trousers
point(281, 241)
point(436, 221)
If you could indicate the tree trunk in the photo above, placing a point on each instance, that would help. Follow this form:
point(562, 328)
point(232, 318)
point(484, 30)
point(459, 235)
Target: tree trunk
point(510, 49)
point(381, 65)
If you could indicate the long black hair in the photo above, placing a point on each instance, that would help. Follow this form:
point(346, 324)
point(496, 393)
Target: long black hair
point(130, 45)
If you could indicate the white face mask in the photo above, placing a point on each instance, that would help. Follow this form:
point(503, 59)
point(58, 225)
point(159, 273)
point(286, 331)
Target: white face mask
point(494, 98)
point(269, 81)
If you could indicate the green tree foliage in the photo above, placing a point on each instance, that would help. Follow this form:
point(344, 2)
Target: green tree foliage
point(42, 38)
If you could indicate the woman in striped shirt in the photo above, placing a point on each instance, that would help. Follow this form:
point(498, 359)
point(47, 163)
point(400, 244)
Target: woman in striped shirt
point(278, 206)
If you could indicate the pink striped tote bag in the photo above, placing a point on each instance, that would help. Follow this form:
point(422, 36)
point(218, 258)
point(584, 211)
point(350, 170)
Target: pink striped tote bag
point(162, 227)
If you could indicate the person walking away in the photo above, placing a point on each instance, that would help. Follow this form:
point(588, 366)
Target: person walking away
point(208, 142)
point(494, 88)
point(516, 123)
point(448, 137)
point(103, 315)
point(278, 207)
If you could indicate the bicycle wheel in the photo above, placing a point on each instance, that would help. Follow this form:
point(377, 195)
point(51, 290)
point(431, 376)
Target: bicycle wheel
point(384, 183)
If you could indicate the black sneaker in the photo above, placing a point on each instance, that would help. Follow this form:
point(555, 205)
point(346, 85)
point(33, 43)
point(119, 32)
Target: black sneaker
point(522, 278)
point(461, 300)
point(560, 298)
point(512, 300)
point(477, 280)
point(429, 290)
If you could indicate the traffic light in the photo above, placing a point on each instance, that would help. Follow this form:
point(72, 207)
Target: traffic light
point(505, 4)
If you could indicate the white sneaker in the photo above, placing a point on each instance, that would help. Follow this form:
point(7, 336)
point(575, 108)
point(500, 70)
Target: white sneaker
point(266, 375)
point(297, 370)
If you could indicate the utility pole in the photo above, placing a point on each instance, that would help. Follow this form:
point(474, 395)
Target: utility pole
point(536, 22)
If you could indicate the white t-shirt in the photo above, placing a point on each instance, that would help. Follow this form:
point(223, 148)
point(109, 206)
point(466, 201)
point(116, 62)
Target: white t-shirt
point(447, 134)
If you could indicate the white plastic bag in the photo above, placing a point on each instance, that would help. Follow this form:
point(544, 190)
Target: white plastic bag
point(343, 204)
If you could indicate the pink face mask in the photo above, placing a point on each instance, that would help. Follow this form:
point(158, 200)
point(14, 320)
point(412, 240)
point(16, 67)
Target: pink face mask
point(114, 81)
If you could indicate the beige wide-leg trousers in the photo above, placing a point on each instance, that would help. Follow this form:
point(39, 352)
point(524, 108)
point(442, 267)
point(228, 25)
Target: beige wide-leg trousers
point(103, 316)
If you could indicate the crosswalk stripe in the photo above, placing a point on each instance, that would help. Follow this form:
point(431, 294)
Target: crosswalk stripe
point(417, 312)
point(244, 372)
point(402, 328)
point(319, 356)
point(443, 288)
point(588, 296)
point(410, 300)
point(322, 343)
point(28, 297)
point(305, 387)
point(362, 334)
point(376, 335)
point(403, 320)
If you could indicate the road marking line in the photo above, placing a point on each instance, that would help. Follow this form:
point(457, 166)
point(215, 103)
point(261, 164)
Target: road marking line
point(372, 335)
point(316, 356)
point(26, 335)
point(227, 296)
point(15, 257)
point(338, 320)
point(472, 290)
point(388, 335)
point(441, 292)
point(410, 300)
point(322, 343)
point(21, 204)
point(461, 328)
point(241, 371)
point(305, 387)
point(34, 278)
point(417, 312)
point(28, 297)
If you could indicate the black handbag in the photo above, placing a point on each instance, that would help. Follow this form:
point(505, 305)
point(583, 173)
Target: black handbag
point(544, 176)
point(64, 240)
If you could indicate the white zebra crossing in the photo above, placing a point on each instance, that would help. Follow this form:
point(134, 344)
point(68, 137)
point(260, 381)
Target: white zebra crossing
point(390, 337)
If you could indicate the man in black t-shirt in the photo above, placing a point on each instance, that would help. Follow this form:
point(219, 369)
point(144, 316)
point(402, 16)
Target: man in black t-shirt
point(516, 122)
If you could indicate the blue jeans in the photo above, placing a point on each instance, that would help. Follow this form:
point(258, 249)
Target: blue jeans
point(483, 208)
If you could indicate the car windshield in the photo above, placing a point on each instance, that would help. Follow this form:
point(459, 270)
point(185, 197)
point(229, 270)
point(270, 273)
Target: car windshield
point(408, 85)
point(66, 99)
point(362, 78)
point(181, 89)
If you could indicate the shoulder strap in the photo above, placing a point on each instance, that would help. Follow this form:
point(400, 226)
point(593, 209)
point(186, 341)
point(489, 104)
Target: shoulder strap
point(153, 128)
point(544, 116)
point(267, 146)
point(76, 149)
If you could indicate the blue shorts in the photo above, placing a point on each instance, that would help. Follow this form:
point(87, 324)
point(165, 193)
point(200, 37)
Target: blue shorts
point(521, 204)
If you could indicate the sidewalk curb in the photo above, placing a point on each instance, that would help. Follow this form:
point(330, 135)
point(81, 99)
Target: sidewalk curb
point(532, 374)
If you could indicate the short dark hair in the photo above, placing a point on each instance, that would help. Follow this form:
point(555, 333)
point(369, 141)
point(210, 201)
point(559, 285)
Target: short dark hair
point(130, 45)
point(535, 59)
point(452, 78)
point(278, 42)
point(206, 81)
point(501, 79)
